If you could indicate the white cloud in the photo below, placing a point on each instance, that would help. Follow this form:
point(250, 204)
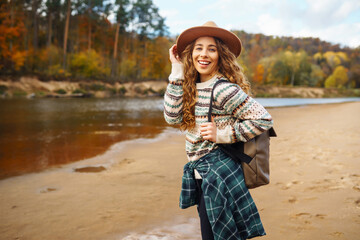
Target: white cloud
point(320, 5)
point(344, 10)
point(336, 34)
point(270, 25)
point(324, 13)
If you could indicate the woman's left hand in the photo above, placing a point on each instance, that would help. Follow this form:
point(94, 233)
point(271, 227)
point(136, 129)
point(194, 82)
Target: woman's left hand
point(208, 131)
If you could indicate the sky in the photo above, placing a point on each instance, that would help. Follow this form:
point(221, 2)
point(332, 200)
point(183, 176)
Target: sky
point(335, 21)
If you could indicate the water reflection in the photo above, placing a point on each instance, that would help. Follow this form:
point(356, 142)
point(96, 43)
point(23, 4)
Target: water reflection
point(36, 134)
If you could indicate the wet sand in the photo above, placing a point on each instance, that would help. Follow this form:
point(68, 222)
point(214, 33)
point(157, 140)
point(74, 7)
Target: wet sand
point(314, 191)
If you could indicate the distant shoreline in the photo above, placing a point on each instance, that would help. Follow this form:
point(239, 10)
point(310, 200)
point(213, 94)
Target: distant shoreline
point(32, 87)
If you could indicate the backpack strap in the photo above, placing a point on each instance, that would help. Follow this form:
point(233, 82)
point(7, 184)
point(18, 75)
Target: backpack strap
point(229, 149)
point(211, 98)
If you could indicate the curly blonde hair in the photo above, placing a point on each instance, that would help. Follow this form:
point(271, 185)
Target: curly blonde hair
point(227, 66)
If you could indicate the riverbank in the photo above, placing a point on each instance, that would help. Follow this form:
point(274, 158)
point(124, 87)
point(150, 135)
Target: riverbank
point(32, 87)
point(314, 190)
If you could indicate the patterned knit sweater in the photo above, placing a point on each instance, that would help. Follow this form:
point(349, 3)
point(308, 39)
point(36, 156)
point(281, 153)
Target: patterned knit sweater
point(237, 116)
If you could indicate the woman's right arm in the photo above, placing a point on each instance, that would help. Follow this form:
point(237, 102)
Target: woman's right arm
point(173, 99)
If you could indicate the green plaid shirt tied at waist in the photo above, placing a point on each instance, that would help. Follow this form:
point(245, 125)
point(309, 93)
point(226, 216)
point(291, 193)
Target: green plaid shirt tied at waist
point(231, 210)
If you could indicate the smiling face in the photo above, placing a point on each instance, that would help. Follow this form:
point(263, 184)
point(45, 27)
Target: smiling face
point(205, 57)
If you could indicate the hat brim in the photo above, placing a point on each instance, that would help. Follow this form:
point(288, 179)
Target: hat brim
point(191, 34)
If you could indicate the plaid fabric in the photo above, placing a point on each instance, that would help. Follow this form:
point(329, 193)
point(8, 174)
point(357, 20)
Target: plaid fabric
point(231, 210)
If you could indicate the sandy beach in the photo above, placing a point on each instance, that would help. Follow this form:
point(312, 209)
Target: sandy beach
point(314, 191)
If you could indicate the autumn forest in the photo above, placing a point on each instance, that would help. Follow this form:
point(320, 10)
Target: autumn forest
point(128, 40)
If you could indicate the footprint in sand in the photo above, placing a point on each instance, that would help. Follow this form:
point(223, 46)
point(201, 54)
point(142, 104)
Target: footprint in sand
point(357, 202)
point(320, 216)
point(90, 169)
point(325, 185)
point(303, 220)
point(292, 200)
point(47, 189)
point(349, 181)
point(305, 217)
point(289, 184)
point(337, 234)
point(302, 214)
point(355, 181)
point(125, 161)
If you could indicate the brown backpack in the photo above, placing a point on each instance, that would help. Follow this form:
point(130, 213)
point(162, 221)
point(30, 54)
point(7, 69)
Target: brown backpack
point(253, 155)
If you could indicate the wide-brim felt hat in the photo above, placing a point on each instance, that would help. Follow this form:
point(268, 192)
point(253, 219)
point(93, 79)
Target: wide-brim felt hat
point(209, 29)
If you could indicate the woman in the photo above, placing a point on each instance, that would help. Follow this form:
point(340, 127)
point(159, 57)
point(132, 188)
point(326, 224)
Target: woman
point(201, 57)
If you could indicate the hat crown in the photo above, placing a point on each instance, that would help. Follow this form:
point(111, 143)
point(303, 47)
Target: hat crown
point(210, 24)
point(212, 30)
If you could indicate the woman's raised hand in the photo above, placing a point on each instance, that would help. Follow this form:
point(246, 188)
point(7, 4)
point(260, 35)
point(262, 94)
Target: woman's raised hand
point(173, 55)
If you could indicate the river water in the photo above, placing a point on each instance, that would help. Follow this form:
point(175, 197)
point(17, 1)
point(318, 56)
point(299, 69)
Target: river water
point(36, 134)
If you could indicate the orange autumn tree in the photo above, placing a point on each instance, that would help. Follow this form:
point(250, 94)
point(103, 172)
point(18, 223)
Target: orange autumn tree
point(259, 74)
point(11, 29)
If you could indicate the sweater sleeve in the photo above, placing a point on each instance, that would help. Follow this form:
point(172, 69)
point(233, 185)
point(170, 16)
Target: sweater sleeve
point(252, 119)
point(173, 98)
